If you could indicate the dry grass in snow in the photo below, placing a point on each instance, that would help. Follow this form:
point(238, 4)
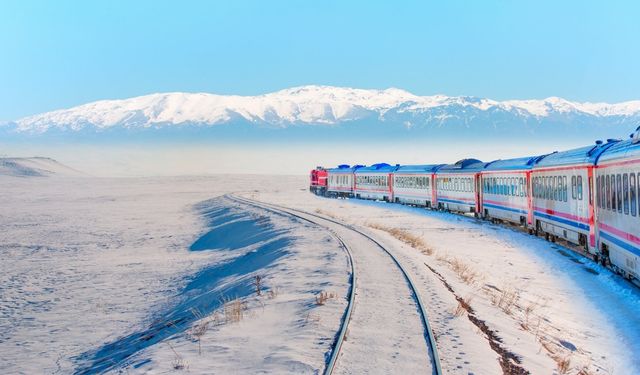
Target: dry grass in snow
point(323, 297)
point(406, 237)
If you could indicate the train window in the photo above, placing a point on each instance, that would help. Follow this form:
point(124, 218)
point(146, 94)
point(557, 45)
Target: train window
point(598, 193)
point(632, 193)
point(619, 192)
point(579, 187)
point(573, 187)
point(614, 195)
point(625, 186)
point(521, 186)
point(512, 186)
point(589, 190)
point(608, 193)
point(564, 188)
point(603, 193)
point(554, 188)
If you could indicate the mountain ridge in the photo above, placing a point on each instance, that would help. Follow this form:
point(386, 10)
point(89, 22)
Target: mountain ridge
point(315, 105)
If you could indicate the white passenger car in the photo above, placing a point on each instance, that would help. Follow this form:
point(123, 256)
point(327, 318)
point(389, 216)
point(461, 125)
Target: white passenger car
point(617, 208)
point(457, 186)
point(414, 184)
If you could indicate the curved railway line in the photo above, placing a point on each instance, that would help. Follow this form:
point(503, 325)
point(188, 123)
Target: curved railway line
point(341, 337)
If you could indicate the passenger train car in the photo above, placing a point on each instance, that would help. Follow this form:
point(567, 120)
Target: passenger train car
point(589, 196)
point(562, 195)
point(374, 182)
point(340, 180)
point(617, 182)
point(415, 184)
point(456, 186)
point(506, 190)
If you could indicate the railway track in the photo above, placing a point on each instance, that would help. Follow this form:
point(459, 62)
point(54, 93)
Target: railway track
point(339, 231)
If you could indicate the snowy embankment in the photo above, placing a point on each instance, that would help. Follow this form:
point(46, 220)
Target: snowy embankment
point(500, 300)
point(124, 275)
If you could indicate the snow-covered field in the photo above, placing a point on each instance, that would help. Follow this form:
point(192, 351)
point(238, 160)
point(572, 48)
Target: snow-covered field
point(548, 307)
point(97, 270)
point(158, 275)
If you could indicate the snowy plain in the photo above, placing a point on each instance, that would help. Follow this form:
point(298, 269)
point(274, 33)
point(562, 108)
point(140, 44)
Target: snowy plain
point(93, 269)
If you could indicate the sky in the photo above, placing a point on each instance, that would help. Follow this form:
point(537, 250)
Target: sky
point(58, 54)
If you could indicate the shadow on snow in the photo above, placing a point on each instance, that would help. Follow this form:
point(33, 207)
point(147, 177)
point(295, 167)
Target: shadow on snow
point(231, 229)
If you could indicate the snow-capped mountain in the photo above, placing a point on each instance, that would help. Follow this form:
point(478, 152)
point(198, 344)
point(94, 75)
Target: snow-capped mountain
point(320, 105)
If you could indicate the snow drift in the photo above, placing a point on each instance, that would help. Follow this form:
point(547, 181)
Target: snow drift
point(35, 167)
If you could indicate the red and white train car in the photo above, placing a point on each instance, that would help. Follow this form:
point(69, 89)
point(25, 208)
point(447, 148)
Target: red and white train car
point(415, 184)
point(562, 195)
point(374, 182)
point(340, 181)
point(506, 190)
point(457, 186)
point(617, 178)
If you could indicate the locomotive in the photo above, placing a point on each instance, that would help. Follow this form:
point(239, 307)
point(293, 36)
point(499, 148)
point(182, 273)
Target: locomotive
point(588, 196)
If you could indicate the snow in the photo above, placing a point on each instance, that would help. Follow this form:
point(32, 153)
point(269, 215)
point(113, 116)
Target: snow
point(35, 166)
point(94, 268)
point(314, 105)
point(563, 300)
point(97, 267)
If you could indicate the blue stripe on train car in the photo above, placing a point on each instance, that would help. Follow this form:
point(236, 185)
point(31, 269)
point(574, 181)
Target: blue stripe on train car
point(563, 221)
point(455, 201)
point(621, 243)
point(516, 210)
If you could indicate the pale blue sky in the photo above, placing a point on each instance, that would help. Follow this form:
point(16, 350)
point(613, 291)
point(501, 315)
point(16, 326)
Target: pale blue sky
point(56, 54)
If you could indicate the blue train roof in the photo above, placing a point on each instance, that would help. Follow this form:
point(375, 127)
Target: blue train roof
point(462, 166)
point(423, 168)
point(513, 164)
point(378, 168)
point(582, 155)
point(623, 149)
point(345, 168)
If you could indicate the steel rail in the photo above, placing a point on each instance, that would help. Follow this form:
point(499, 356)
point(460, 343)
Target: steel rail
point(433, 351)
point(342, 333)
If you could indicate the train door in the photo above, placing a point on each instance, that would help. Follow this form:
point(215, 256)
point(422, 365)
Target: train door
point(529, 196)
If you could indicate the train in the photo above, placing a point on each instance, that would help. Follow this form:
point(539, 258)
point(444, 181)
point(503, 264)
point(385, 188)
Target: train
point(588, 197)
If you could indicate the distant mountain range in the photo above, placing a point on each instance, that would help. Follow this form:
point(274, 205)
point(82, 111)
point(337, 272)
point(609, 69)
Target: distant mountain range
point(355, 111)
